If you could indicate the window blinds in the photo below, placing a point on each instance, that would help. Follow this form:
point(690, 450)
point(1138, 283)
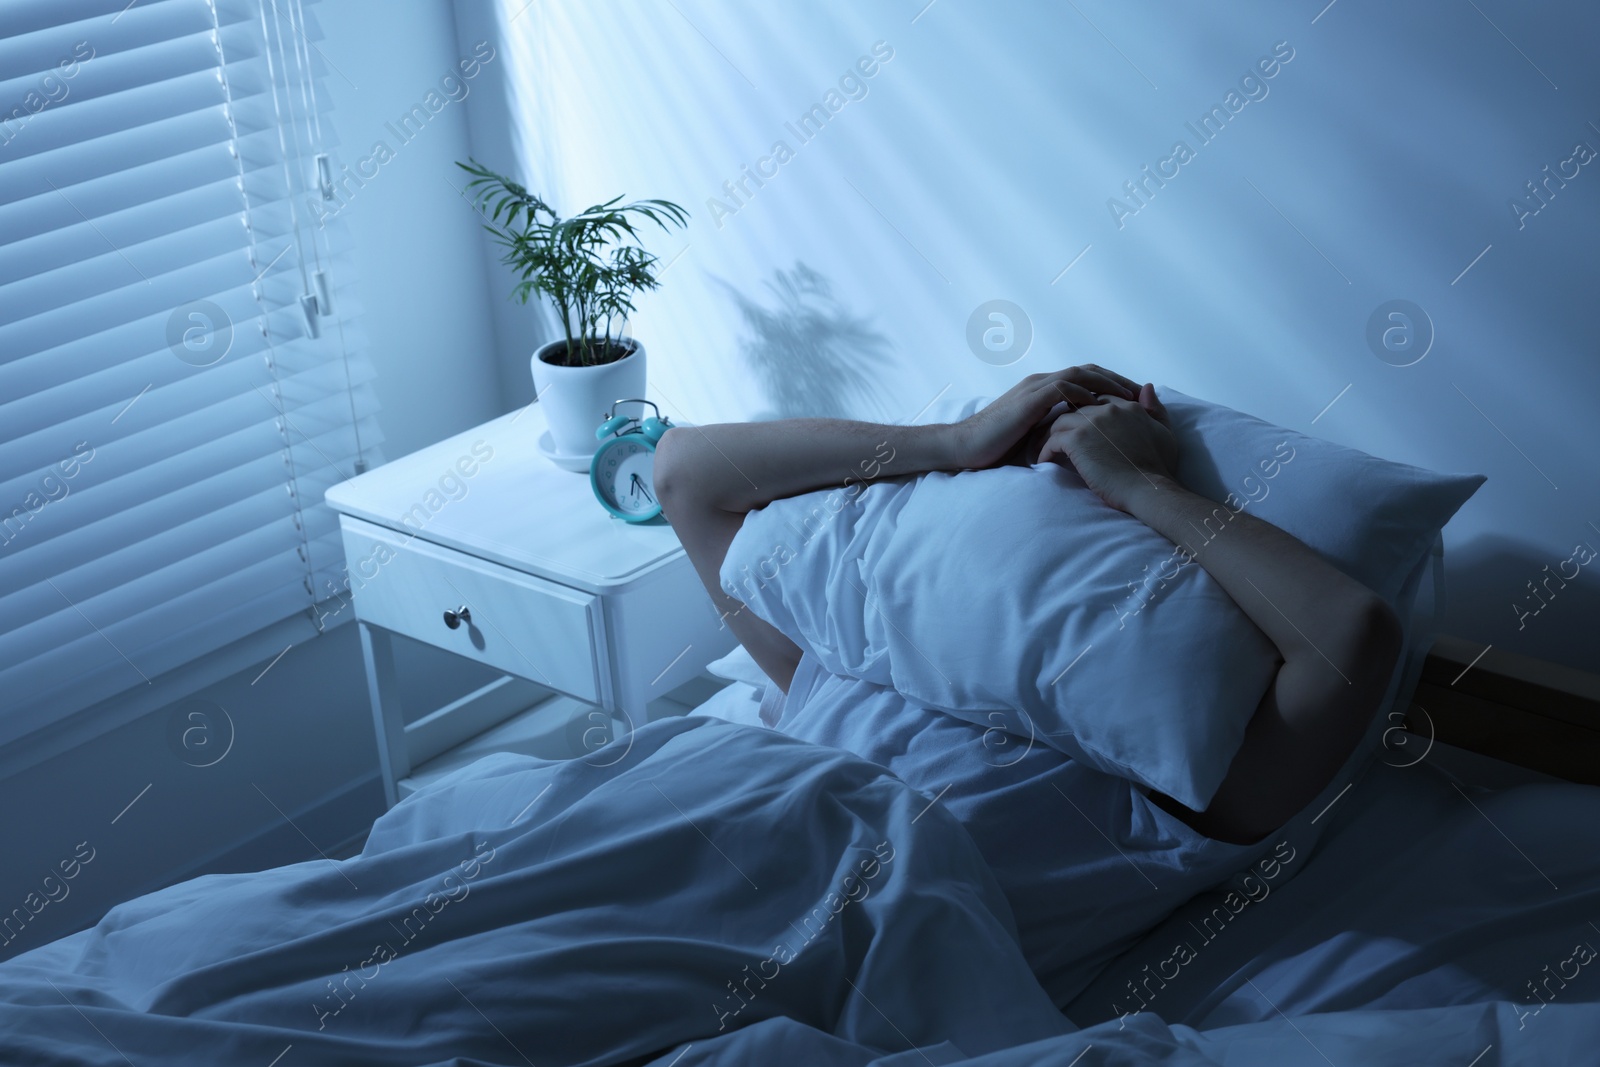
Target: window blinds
point(180, 373)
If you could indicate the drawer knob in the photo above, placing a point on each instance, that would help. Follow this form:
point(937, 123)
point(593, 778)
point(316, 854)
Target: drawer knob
point(454, 619)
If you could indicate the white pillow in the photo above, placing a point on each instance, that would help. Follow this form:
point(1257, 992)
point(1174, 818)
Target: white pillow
point(1371, 518)
point(739, 666)
point(1015, 598)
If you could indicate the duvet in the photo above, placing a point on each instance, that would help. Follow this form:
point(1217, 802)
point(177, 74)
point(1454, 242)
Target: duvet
point(603, 911)
point(707, 893)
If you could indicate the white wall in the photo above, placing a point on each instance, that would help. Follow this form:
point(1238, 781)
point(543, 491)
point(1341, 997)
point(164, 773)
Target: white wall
point(301, 773)
point(421, 266)
point(979, 165)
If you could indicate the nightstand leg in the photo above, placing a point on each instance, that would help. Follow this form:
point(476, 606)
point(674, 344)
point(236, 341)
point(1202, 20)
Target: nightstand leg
point(633, 698)
point(388, 720)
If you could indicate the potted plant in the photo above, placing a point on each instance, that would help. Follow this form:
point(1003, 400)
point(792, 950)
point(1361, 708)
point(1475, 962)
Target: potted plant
point(589, 265)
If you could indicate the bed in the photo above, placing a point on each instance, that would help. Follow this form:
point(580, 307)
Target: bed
point(721, 893)
point(1446, 909)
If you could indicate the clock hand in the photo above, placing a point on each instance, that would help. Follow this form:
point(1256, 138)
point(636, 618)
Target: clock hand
point(639, 487)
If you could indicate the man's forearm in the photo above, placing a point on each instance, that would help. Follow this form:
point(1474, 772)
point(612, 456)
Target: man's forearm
point(1339, 642)
point(707, 478)
point(1308, 608)
point(738, 467)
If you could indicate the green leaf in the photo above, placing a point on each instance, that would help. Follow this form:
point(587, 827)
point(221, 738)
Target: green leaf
point(589, 265)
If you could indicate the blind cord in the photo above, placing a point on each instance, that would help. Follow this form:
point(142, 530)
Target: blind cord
point(264, 317)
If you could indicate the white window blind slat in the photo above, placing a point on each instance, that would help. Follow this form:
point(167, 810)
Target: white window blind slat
point(89, 666)
point(88, 499)
point(38, 51)
point(19, 18)
point(162, 297)
point(112, 252)
point(41, 207)
point(48, 349)
point(35, 162)
point(48, 247)
point(119, 585)
point(133, 393)
point(71, 542)
point(210, 160)
point(79, 120)
point(244, 399)
point(169, 172)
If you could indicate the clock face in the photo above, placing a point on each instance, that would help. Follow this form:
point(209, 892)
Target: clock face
point(622, 477)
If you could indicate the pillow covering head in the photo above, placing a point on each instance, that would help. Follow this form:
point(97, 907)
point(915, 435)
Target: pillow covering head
point(1015, 598)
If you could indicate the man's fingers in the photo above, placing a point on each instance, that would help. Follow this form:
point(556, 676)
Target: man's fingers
point(1060, 388)
point(1104, 381)
point(1055, 439)
point(1144, 400)
point(1129, 384)
point(1151, 403)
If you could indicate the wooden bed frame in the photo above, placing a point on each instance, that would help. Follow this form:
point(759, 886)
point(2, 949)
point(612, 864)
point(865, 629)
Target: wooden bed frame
point(1541, 716)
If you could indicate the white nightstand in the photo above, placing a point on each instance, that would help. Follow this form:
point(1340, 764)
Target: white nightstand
point(478, 545)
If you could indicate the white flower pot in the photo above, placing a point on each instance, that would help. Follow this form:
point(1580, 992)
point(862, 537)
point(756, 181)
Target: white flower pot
point(575, 399)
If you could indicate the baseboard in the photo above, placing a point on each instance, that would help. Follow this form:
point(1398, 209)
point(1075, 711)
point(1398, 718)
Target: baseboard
point(279, 842)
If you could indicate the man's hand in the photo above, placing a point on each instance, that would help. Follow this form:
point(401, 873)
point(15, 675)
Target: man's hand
point(1116, 446)
point(1005, 429)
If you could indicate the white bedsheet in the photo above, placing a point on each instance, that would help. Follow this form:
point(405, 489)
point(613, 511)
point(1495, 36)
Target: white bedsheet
point(736, 702)
point(1424, 892)
point(1468, 1035)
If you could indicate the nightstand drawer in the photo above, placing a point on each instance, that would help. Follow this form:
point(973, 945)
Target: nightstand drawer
point(519, 624)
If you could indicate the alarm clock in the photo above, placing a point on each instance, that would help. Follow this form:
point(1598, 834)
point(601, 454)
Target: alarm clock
point(622, 472)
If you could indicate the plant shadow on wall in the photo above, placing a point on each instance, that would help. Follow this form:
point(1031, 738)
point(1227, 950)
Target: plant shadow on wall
point(812, 355)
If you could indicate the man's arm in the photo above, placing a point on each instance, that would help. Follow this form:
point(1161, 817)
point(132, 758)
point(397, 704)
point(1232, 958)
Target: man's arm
point(1338, 640)
point(708, 477)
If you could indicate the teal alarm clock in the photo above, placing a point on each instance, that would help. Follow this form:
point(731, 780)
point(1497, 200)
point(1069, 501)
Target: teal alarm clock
point(622, 471)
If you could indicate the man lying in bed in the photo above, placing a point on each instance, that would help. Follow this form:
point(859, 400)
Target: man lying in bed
point(1084, 884)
